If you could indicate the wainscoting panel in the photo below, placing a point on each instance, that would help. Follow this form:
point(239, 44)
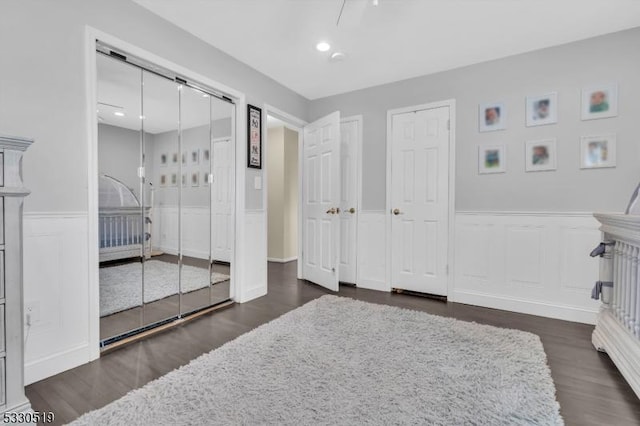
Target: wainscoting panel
point(535, 263)
point(371, 269)
point(255, 274)
point(56, 290)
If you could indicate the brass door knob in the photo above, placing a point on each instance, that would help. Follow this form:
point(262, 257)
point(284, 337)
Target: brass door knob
point(352, 210)
point(332, 210)
point(396, 212)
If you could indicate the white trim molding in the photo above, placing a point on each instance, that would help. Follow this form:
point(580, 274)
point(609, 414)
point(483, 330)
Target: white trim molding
point(286, 260)
point(531, 262)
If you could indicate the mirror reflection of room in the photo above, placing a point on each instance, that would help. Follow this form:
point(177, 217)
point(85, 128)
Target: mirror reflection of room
point(166, 180)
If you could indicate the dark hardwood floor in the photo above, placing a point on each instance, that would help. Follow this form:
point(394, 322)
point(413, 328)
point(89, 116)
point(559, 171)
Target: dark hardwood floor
point(590, 389)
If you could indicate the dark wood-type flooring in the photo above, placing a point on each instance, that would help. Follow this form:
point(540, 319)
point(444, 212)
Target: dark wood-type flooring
point(590, 389)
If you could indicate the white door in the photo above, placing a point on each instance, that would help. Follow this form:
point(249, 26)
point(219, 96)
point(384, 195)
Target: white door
point(222, 192)
point(320, 201)
point(350, 134)
point(419, 200)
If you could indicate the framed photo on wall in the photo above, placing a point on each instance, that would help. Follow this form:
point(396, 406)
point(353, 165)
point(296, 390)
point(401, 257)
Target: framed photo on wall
point(597, 151)
point(195, 156)
point(492, 159)
point(600, 102)
point(492, 116)
point(542, 109)
point(540, 155)
point(164, 159)
point(254, 137)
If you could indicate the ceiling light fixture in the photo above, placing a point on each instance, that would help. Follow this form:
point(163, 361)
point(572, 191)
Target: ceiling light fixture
point(374, 2)
point(323, 46)
point(337, 56)
point(119, 113)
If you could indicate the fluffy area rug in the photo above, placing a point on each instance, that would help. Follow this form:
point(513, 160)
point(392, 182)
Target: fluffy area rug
point(120, 286)
point(340, 361)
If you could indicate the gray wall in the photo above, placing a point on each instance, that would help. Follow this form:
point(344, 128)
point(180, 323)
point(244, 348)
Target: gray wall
point(565, 69)
point(43, 92)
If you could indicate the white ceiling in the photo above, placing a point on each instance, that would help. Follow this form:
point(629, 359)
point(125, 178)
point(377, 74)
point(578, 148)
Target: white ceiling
point(396, 40)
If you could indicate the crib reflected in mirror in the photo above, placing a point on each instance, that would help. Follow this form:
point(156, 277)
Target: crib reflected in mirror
point(166, 196)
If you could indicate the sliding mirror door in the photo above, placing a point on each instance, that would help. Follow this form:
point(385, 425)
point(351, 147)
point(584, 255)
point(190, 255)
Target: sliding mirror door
point(121, 197)
point(222, 169)
point(163, 168)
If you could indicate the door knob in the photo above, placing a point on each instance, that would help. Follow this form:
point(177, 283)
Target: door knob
point(396, 212)
point(332, 210)
point(352, 210)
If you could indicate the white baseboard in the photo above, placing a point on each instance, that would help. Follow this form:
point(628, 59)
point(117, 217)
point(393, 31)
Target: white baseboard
point(622, 347)
point(55, 363)
point(286, 260)
point(532, 307)
point(251, 294)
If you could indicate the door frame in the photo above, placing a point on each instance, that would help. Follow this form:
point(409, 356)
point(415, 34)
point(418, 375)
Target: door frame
point(239, 261)
point(360, 120)
point(451, 103)
point(297, 125)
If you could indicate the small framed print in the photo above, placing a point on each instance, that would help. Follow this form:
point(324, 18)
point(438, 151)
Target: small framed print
point(597, 151)
point(184, 157)
point(195, 179)
point(254, 137)
point(174, 179)
point(492, 159)
point(163, 181)
point(184, 180)
point(542, 110)
point(600, 102)
point(205, 178)
point(195, 156)
point(206, 155)
point(164, 159)
point(492, 117)
point(540, 155)
point(174, 158)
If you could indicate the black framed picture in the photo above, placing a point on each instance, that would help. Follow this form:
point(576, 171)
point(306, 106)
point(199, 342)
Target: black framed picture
point(254, 137)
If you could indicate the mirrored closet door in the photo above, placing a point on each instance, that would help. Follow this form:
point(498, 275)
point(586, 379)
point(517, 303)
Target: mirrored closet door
point(166, 172)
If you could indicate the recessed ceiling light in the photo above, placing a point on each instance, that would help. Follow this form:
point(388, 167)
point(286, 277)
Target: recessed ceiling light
point(323, 46)
point(142, 117)
point(119, 113)
point(337, 56)
point(204, 95)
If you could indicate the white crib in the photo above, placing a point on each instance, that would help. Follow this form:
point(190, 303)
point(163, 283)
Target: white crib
point(124, 225)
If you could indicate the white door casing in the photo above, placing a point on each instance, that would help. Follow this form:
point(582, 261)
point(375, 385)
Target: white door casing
point(350, 136)
point(321, 197)
point(222, 190)
point(420, 200)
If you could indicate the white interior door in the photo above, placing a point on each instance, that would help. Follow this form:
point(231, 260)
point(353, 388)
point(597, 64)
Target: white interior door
point(419, 200)
point(320, 201)
point(222, 199)
point(350, 134)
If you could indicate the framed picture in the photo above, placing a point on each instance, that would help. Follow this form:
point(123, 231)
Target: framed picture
point(206, 156)
point(184, 157)
point(205, 178)
point(492, 159)
point(597, 151)
point(492, 117)
point(174, 158)
point(195, 179)
point(164, 160)
point(600, 102)
point(254, 137)
point(540, 155)
point(542, 109)
point(163, 181)
point(184, 180)
point(174, 179)
point(195, 156)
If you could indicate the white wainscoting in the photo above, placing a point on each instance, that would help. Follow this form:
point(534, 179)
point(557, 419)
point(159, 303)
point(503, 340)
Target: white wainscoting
point(255, 240)
point(371, 268)
point(530, 262)
point(56, 286)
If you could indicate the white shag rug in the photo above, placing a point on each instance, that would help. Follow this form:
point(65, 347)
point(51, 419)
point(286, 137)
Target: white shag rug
point(340, 361)
point(121, 286)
